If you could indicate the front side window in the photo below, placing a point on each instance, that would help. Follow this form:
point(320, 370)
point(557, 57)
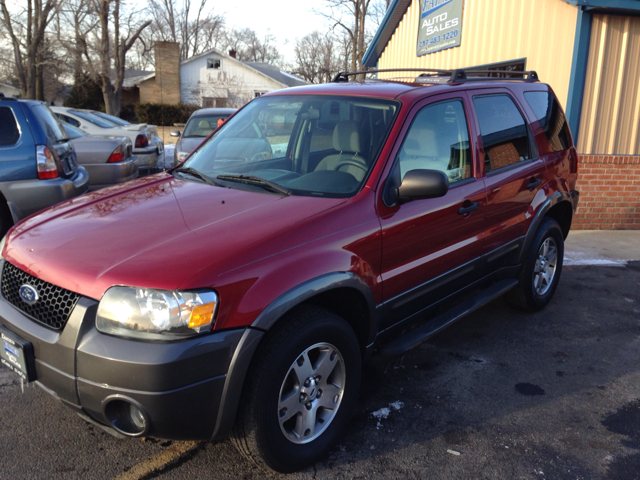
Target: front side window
point(505, 136)
point(9, 133)
point(551, 119)
point(438, 139)
point(306, 145)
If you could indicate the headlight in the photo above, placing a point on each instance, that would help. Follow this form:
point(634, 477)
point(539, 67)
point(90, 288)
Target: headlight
point(155, 314)
point(181, 156)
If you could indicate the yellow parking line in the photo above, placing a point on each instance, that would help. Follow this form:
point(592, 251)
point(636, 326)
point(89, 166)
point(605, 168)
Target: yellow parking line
point(159, 460)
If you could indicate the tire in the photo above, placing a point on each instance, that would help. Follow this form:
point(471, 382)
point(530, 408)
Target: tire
point(312, 353)
point(540, 271)
point(6, 222)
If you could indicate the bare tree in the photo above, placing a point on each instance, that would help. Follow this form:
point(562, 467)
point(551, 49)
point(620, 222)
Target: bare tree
point(195, 27)
point(26, 31)
point(356, 19)
point(317, 57)
point(251, 48)
point(108, 12)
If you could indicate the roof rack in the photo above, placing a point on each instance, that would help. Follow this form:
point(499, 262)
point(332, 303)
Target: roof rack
point(458, 75)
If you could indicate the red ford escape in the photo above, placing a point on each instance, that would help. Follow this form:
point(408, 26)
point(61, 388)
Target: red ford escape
point(240, 292)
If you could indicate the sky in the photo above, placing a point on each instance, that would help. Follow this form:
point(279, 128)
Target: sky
point(285, 19)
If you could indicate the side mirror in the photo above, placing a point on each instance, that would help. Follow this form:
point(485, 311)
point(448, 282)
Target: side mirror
point(175, 133)
point(419, 184)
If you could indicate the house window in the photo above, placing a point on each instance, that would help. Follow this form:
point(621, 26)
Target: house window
point(214, 102)
point(214, 63)
point(256, 94)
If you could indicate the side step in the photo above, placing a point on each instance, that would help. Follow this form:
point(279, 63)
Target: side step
point(418, 335)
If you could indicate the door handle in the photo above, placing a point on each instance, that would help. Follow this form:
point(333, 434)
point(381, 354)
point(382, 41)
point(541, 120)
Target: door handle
point(472, 206)
point(534, 182)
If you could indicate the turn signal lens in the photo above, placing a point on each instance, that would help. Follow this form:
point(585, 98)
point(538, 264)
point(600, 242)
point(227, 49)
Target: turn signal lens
point(202, 315)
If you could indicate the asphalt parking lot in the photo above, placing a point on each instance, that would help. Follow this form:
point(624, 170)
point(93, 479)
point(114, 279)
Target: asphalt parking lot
point(500, 394)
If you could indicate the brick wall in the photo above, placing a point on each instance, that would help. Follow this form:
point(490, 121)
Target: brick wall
point(167, 80)
point(609, 188)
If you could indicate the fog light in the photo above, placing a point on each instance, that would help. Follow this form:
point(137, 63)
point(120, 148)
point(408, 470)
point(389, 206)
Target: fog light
point(137, 417)
point(126, 416)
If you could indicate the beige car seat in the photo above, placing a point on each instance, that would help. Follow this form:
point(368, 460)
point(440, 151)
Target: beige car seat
point(346, 139)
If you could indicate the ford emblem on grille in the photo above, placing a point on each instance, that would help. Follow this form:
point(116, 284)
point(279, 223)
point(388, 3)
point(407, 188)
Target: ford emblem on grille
point(28, 294)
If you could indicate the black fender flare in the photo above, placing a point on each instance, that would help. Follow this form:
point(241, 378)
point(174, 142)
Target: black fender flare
point(245, 351)
point(553, 200)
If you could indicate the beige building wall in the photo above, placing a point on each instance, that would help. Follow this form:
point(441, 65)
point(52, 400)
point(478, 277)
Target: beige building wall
point(610, 120)
point(167, 84)
point(542, 31)
point(148, 91)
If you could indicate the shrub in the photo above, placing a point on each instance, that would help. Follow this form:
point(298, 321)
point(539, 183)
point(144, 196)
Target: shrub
point(86, 94)
point(164, 115)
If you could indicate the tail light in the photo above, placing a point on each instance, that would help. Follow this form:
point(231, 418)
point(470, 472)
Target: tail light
point(117, 155)
point(142, 141)
point(46, 163)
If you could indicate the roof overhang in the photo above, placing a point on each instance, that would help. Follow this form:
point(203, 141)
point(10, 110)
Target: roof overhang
point(398, 8)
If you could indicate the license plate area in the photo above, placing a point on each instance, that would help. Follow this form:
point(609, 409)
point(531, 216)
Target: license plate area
point(17, 354)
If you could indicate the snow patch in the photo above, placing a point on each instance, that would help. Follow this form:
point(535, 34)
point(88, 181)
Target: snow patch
point(384, 412)
point(582, 258)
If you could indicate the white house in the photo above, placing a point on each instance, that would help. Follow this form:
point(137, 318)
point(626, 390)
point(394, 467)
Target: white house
point(9, 90)
point(211, 79)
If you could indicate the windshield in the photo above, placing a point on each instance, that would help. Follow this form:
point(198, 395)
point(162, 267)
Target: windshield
point(111, 118)
point(97, 121)
point(309, 145)
point(73, 132)
point(203, 125)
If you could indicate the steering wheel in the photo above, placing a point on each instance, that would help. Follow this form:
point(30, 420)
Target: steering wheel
point(351, 163)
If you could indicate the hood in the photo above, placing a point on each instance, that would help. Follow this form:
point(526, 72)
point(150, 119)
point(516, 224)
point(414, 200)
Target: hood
point(155, 232)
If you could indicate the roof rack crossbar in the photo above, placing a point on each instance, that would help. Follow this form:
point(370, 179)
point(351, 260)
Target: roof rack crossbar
point(455, 76)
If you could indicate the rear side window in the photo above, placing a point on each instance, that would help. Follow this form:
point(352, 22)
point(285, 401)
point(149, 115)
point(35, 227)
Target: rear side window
point(68, 119)
point(505, 135)
point(551, 119)
point(49, 123)
point(9, 133)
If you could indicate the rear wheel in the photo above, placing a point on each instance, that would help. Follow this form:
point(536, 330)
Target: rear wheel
point(540, 272)
point(301, 391)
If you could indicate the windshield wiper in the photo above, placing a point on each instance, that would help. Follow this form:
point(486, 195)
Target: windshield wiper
point(198, 174)
point(257, 181)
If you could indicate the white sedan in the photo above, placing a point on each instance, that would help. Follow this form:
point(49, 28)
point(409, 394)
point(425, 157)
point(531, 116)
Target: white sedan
point(146, 144)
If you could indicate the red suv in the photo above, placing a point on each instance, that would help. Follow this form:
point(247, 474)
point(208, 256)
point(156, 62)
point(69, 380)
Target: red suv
point(241, 291)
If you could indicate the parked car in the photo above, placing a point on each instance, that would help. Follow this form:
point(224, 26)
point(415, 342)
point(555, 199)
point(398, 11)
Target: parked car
point(152, 129)
point(140, 135)
point(199, 126)
point(395, 209)
point(38, 166)
point(108, 160)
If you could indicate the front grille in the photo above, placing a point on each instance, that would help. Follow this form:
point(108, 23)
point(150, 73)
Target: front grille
point(54, 304)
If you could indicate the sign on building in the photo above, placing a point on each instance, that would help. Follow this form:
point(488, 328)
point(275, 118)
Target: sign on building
point(440, 25)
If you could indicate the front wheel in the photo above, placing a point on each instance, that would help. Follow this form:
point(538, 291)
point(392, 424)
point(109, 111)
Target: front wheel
point(301, 391)
point(540, 272)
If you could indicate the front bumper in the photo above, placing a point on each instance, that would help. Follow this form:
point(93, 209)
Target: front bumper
point(182, 387)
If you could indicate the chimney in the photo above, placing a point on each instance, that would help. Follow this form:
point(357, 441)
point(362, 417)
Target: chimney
point(232, 53)
point(167, 72)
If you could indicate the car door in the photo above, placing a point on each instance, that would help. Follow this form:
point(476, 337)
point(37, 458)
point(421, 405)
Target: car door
point(432, 246)
point(514, 171)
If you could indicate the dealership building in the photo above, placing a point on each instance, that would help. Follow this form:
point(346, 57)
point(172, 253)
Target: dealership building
point(587, 50)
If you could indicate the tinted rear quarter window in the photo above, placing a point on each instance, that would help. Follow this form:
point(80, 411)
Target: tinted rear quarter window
point(9, 133)
point(551, 119)
point(49, 123)
point(505, 136)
